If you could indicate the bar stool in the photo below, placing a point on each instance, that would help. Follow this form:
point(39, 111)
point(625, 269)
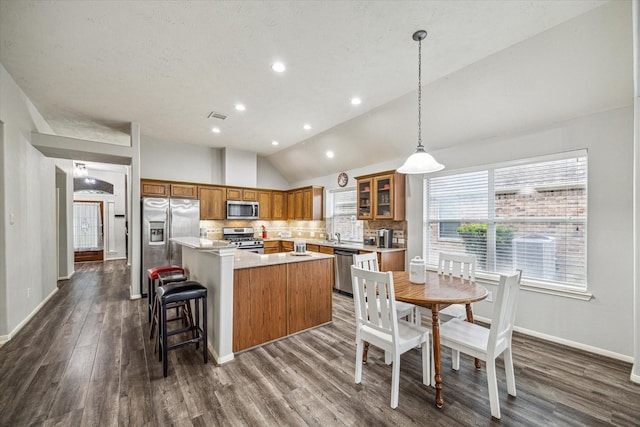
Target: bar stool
point(183, 308)
point(182, 292)
point(152, 277)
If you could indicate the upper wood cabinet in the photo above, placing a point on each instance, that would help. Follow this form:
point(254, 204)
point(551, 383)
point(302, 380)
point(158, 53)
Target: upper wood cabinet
point(212, 202)
point(307, 203)
point(184, 191)
point(264, 198)
point(291, 205)
point(149, 188)
point(242, 194)
point(278, 205)
point(381, 196)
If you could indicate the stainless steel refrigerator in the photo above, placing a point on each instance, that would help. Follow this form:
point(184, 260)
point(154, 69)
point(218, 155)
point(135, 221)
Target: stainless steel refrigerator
point(163, 219)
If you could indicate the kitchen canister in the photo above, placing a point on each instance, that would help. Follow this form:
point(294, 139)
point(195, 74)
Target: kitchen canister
point(417, 270)
point(300, 247)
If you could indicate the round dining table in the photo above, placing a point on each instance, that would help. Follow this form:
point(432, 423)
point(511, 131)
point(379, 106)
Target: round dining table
point(438, 291)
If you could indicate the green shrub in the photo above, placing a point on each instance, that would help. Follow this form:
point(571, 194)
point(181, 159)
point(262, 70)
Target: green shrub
point(475, 241)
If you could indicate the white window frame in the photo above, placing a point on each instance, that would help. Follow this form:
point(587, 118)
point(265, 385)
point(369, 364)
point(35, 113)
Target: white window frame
point(560, 289)
point(358, 224)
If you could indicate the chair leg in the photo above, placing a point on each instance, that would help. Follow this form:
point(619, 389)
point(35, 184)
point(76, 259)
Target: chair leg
point(387, 357)
point(426, 363)
point(359, 351)
point(508, 367)
point(455, 359)
point(395, 380)
point(492, 383)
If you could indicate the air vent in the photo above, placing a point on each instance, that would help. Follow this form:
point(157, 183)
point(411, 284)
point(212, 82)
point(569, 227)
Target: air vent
point(214, 115)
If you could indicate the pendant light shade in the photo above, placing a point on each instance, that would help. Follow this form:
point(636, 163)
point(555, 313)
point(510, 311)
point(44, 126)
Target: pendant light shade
point(420, 161)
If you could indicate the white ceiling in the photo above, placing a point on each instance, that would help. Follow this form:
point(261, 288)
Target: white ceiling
point(91, 68)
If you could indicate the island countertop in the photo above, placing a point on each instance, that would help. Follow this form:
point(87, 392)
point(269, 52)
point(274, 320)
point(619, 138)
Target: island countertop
point(246, 259)
point(201, 244)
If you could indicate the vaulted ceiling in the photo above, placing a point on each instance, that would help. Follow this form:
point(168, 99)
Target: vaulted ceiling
point(91, 68)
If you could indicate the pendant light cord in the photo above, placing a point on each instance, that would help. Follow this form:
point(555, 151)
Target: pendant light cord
point(419, 93)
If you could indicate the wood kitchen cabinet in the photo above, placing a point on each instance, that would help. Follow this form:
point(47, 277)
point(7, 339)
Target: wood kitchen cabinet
point(259, 305)
point(246, 194)
point(291, 205)
point(309, 294)
point(307, 203)
point(381, 196)
point(326, 250)
point(271, 246)
point(150, 188)
point(278, 205)
point(286, 245)
point(184, 191)
point(264, 199)
point(313, 248)
point(389, 260)
point(212, 202)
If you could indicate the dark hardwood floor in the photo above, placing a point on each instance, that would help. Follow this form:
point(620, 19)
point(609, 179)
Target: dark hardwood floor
point(85, 359)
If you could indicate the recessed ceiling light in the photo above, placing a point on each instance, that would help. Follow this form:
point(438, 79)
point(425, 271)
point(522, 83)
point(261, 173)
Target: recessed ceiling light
point(215, 130)
point(240, 107)
point(356, 101)
point(306, 126)
point(278, 67)
point(274, 143)
point(330, 154)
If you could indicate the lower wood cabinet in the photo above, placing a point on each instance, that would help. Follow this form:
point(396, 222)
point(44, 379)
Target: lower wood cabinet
point(259, 305)
point(389, 261)
point(309, 294)
point(271, 246)
point(274, 301)
point(287, 246)
point(313, 248)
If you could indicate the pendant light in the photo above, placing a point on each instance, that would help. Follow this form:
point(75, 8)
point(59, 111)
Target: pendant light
point(420, 161)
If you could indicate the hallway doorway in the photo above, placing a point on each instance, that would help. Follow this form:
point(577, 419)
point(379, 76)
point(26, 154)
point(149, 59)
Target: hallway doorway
point(88, 235)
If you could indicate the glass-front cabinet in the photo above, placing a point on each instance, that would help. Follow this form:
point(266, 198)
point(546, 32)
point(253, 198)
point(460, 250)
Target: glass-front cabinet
point(381, 196)
point(365, 201)
point(384, 197)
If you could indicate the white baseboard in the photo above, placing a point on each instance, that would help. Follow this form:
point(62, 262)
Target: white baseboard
point(67, 277)
point(635, 378)
point(6, 338)
point(135, 296)
point(568, 343)
point(219, 360)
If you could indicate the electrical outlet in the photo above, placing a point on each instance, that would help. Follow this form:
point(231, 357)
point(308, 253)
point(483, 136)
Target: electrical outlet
point(401, 241)
point(490, 297)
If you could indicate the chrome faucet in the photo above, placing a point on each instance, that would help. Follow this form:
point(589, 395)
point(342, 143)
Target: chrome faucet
point(338, 236)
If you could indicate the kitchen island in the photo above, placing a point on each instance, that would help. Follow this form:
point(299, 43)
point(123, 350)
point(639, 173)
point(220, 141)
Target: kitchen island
point(253, 298)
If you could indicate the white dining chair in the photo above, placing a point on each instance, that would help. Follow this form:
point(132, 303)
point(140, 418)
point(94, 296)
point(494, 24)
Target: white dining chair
point(463, 266)
point(377, 323)
point(369, 261)
point(487, 344)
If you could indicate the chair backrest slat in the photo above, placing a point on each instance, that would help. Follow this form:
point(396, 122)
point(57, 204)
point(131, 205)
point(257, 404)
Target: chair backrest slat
point(368, 261)
point(374, 299)
point(504, 311)
point(457, 265)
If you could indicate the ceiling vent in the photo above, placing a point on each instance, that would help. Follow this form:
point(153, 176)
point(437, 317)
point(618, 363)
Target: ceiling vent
point(214, 115)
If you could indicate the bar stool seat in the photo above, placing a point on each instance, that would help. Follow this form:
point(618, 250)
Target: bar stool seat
point(179, 293)
point(152, 278)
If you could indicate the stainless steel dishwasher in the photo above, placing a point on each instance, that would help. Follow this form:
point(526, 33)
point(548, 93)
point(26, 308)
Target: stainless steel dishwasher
point(344, 260)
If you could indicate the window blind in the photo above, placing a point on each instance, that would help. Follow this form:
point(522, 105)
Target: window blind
point(344, 218)
point(530, 216)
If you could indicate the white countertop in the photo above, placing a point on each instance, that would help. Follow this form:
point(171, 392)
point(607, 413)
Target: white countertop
point(203, 244)
point(246, 259)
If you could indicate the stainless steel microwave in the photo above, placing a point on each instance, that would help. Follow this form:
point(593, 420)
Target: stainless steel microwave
point(237, 209)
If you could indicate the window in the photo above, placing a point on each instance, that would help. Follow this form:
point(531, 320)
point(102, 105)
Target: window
point(530, 216)
point(344, 219)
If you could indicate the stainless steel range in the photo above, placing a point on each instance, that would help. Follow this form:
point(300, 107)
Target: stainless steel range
point(243, 238)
